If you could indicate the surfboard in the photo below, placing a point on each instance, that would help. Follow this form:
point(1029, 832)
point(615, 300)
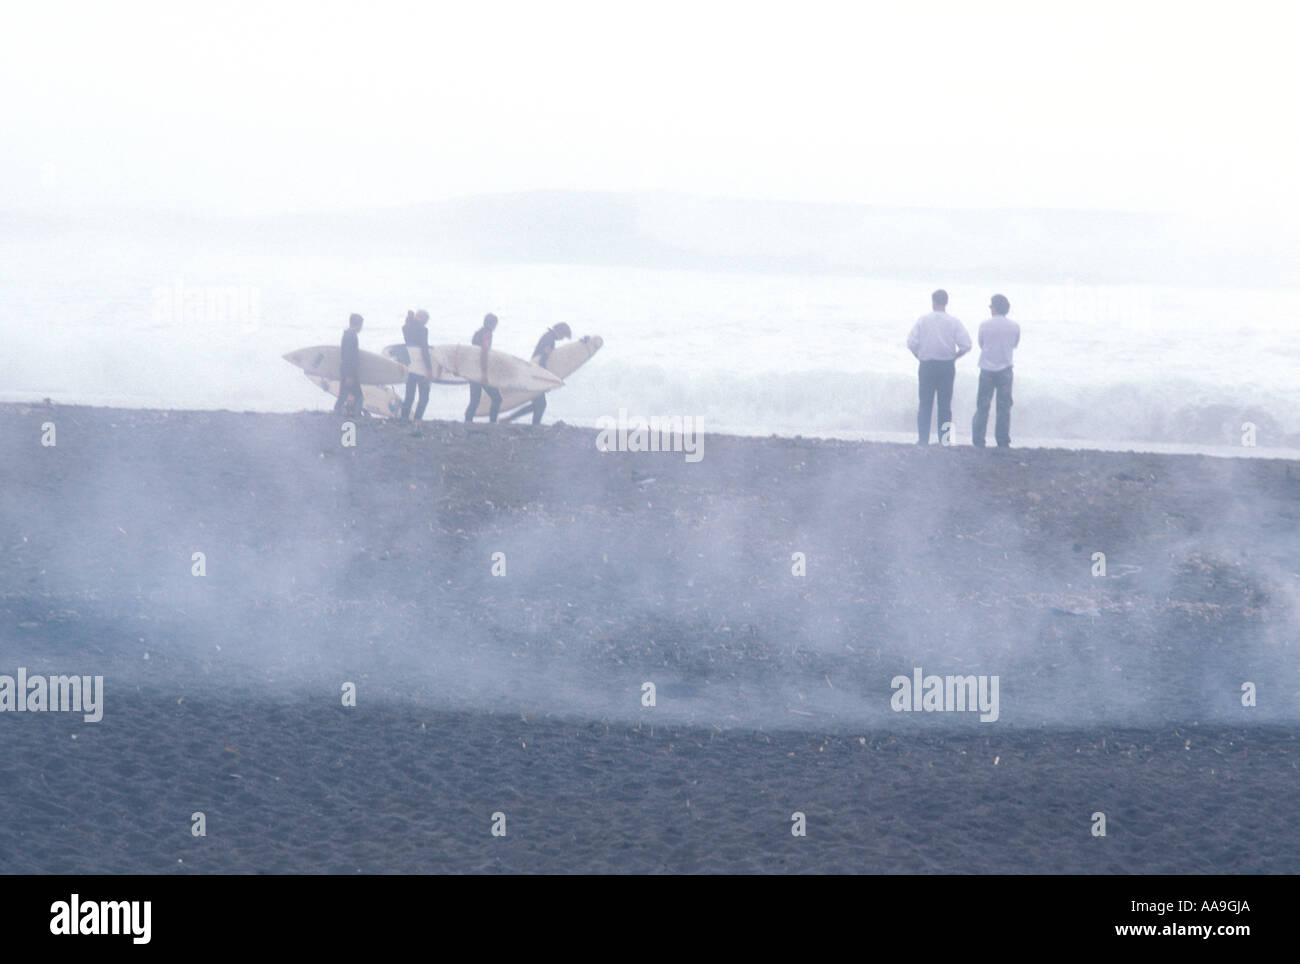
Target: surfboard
point(412, 358)
point(456, 364)
point(564, 361)
point(376, 399)
point(323, 361)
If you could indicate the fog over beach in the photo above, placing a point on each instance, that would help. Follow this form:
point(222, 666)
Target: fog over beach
point(507, 593)
point(243, 631)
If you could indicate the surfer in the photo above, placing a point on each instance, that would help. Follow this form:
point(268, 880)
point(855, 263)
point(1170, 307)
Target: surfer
point(937, 340)
point(416, 335)
point(350, 395)
point(542, 354)
point(483, 339)
point(998, 337)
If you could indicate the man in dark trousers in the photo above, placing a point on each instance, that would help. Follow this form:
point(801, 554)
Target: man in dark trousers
point(542, 354)
point(351, 399)
point(416, 335)
point(937, 340)
point(999, 337)
point(483, 339)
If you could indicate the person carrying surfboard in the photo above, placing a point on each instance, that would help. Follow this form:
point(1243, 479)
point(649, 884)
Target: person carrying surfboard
point(351, 399)
point(541, 354)
point(483, 339)
point(416, 335)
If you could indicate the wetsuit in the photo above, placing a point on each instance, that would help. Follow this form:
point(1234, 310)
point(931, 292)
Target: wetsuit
point(349, 374)
point(541, 355)
point(483, 339)
point(416, 335)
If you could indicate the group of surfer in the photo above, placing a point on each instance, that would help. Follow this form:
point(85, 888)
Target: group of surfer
point(415, 335)
point(938, 340)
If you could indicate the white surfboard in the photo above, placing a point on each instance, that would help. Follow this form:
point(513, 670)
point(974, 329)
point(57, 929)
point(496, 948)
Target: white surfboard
point(377, 399)
point(506, 373)
point(564, 361)
point(323, 361)
point(413, 359)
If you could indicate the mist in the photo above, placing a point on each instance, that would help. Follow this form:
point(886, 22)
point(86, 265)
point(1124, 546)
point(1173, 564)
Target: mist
point(324, 565)
point(357, 643)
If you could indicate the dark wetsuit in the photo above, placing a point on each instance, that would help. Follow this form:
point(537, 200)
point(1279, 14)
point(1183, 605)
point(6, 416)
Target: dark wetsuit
point(349, 375)
point(416, 336)
point(541, 355)
point(482, 337)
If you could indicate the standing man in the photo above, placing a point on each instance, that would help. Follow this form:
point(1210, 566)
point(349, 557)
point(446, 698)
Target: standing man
point(541, 355)
point(351, 399)
point(937, 340)
point(416, 335)
point(483, 338)
point(999, 337)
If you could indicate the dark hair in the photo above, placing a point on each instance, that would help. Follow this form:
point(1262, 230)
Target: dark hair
point(489, 320)
point(410, 315)
point(563, 330)
point(939, 299)
point(1000, 305)
point(354, 320)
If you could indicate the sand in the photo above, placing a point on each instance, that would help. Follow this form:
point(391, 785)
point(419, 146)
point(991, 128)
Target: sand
point(520, 694)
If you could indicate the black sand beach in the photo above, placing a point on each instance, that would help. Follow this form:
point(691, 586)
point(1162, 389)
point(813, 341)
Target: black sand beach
point(521, 692)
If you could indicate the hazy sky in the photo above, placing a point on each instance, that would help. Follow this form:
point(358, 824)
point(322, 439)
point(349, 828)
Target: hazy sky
point(290, 106)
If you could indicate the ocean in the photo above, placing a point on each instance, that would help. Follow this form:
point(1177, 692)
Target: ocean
point(117, 314)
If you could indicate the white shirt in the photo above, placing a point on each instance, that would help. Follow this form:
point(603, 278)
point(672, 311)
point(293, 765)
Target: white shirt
point(999, 337)
point(938, 336)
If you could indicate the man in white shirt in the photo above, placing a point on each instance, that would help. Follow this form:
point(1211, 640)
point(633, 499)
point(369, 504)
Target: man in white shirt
point(937, 340)
point(999, 337)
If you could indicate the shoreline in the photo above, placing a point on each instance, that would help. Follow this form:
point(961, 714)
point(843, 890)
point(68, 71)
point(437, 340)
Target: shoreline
point(1133, 447)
